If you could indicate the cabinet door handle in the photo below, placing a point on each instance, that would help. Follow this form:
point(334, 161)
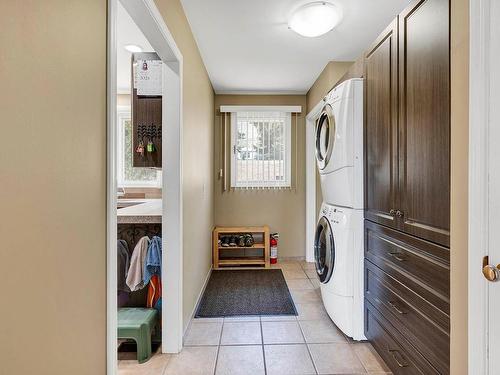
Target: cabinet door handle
point(397, 256)
point(398, 357)
point(394, 305)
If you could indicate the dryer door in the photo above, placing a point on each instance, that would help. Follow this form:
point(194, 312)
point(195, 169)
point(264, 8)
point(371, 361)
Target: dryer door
point(325, 136)
point(324, 250)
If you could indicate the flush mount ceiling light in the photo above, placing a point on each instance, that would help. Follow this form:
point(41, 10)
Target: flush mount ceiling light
point(315, 19)
point(133, 48)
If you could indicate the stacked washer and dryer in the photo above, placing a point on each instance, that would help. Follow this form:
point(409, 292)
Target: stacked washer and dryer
point(338, 244)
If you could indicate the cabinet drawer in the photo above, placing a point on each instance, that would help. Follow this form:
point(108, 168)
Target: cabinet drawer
point(399, 355)
point(425, 326)
point(422, 266)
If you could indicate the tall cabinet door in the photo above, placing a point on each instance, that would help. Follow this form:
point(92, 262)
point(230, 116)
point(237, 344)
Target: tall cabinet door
point(424, 139)
point(381, 128)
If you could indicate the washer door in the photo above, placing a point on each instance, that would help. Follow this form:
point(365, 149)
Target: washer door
point(325, 136)
point(324, 250)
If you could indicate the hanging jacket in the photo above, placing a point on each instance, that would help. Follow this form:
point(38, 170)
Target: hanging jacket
point(152, 265)
point(137, 261)
point(123, 264)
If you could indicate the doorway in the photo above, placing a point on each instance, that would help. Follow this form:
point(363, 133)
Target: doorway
point(150, 22)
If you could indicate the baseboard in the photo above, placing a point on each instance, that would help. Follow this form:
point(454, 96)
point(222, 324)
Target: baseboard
point(198, 300)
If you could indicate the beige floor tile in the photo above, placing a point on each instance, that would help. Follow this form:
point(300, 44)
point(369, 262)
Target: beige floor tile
point(243, 318)
point(193, 361)
point(295, 266)
point(336, 359)
point(280, 332)
point(294, 274)
point(311, 274)
point(203, 333)
point(240, 360)
point(274, 318)
point(234, 333)
point(370, 359)
point(208, 320)
point(288, 359)
point(321, 332)
point(306, 296)
point(311, 311)
point(137, 371)
point(300, 284)
point(315, 283)
point(308, 265)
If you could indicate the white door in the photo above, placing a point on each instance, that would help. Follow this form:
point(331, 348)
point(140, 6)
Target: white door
point(493, 245)
point(484, 189)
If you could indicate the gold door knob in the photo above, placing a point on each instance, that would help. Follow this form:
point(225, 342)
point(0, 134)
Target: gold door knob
point(491, 273)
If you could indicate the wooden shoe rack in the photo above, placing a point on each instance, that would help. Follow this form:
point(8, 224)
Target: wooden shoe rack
point(256, 255)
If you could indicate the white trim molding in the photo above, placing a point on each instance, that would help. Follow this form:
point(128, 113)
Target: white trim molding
point(311, 218)
point(261, 108)
point(479, 105)
point(111, 197)
point(151, 23)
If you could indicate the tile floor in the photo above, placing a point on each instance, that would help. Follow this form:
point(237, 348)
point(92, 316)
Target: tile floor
point(283, 345)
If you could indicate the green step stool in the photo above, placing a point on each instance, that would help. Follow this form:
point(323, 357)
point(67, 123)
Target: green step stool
point(138, 323)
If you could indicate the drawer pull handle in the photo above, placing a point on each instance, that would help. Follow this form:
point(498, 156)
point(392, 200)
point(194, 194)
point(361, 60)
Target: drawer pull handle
point(395, 307)
point(397, 256)
point(398, 357)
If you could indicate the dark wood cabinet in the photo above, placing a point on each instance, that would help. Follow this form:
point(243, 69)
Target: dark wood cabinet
point(407, 123)
point(146, 120)
point(424, 125)
point(407, 190)
point(381, 136)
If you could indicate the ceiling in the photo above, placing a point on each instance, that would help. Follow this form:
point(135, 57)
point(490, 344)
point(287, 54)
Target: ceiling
point(247, 47)
point(127, 32)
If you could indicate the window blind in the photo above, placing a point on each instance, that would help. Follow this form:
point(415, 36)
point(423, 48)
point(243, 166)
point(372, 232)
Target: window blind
point(261, 149)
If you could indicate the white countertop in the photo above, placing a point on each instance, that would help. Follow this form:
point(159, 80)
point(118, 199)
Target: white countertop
point(140, 211)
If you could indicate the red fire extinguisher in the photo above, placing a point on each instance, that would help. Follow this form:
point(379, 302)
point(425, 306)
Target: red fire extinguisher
point(274, 247)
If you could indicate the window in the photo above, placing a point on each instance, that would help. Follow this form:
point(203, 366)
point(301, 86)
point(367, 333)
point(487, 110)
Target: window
point(261, 148)
point(129, 176)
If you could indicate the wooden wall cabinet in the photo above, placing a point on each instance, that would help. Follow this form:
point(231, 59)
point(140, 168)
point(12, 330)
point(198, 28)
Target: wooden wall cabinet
point(407, 190)
point(146, 121)
point(381, 128)
point(407, 123)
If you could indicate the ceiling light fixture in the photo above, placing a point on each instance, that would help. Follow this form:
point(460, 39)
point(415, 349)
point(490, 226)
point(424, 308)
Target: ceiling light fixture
point(133, 48)
point(315, 19)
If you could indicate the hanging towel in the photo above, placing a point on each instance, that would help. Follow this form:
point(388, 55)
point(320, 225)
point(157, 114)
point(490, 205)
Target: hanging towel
point(152, 265)
point(137, 261)
point(123, 264)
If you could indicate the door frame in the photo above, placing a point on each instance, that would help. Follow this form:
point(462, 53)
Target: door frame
point(479, 99)
point(311, 214)
point(149, 20)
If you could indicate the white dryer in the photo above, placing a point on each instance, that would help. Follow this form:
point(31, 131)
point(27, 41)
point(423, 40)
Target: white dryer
point(339, 145)
point(338, 254)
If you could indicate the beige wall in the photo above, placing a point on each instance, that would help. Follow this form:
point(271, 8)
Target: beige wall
point(198, 97)
point(332, 72)
point(283, 211)
point(53, 182)
point(53, 187)
point(459, 182)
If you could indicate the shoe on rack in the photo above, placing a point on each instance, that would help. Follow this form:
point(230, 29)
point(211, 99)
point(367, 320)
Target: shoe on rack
point(249, 241)
point(232, 241)
point(241, 240)
point(225, 241)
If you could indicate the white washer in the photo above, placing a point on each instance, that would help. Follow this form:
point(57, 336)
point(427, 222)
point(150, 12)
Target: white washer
point(338, 254)
point(339, 145)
